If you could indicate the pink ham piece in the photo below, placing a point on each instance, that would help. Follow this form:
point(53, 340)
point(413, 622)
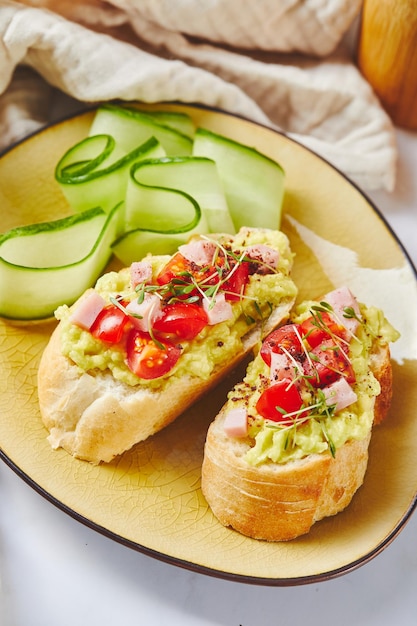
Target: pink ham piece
point(339, 393)
point(236, 423)
point(282, 366)
point(218, 310)
point(342, 298)
point(87, 310)
point(266, 257)
point(201, 252)
point(140, 272)
point(148, 310)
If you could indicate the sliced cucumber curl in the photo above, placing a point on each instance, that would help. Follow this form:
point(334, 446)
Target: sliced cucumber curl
point(140, 182)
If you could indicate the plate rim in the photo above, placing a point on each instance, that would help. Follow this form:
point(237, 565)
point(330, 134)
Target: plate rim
point(205, 570)
point(151, 552)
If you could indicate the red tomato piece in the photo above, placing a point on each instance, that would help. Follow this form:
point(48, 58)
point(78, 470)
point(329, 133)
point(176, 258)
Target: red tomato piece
point(179, 272)
point(146, 358)
point(278, 400)
point(109, 324)
point(287, 338)
point(175, 266)
point(320, 327)
point(181, 269)
point(234, 286)
point(328, 363)
point(181, 321)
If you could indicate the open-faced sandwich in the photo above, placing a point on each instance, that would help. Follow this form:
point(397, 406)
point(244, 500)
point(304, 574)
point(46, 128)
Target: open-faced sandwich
point(134, 352)
point(290, 446)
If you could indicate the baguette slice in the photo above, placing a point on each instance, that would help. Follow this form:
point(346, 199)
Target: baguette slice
point(281, 501)
point(95, 417)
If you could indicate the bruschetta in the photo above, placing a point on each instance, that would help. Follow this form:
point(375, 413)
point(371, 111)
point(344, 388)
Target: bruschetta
point(134, 352)
point(290, 445)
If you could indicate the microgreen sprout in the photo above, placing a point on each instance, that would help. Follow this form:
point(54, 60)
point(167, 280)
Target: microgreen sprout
point(323, 307)
point(316, 359)
point(350, 313)
point(197, 283)
point(316, 405)
point(319, 411)
point(206, 282)
point(327, 437)
point(156, 341)
point(117, 302)
point(339, 340)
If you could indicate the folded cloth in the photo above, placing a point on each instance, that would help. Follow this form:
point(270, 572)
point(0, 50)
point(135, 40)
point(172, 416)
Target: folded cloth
point(252, 59)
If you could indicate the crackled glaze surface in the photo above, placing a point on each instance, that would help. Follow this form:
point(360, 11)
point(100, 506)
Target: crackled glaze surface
point(150, 497)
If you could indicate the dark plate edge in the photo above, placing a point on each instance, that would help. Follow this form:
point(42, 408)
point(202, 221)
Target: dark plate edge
point(194, 567)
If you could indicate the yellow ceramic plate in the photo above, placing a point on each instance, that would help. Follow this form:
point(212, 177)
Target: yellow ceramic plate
point(150, 497)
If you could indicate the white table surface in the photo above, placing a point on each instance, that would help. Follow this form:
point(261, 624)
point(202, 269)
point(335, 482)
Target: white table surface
point(54, 571)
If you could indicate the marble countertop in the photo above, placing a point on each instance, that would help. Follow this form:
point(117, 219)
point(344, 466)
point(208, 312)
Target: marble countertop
point(54, 571)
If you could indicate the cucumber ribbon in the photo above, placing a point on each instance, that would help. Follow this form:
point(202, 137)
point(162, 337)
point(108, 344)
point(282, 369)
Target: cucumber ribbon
point(95, 171)
point(130, 128)
point(156, 181)
point(41, 268)
point(253, 183)
point(167, 201)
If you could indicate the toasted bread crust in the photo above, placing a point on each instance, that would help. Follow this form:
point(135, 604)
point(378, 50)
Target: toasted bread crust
point(95, 418)
point(382, 369)
point(279, 502)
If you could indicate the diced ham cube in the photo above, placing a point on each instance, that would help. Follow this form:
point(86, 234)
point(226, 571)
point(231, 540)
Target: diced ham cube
point(217, 309)
point(236, 422)
point(140, 272)
point(340, 393)
point(148, 310)
point(282, 366)
point(267, 257)
point(340, 299)
point(201, 252)
point(85, 313)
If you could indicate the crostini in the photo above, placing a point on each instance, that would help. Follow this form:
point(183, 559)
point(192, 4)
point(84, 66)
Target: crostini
point(290, 446)
point(134, 352)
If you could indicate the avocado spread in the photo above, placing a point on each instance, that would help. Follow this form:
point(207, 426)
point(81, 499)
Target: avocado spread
point(215, 345)
point(270, 442)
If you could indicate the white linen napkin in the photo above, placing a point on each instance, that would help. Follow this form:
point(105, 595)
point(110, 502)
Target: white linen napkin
point(281, 63)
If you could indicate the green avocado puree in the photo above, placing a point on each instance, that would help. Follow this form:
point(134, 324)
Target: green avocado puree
point(270, 442)
point(214, 346)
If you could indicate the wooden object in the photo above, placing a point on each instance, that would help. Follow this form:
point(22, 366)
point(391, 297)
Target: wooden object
point(387, 56)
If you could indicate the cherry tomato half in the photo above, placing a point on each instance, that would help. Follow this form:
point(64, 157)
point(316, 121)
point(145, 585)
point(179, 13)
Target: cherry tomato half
point(320, 327)
point(175, 266)
point(328, 363)
point(181, 321)
point(109, 324)
point(146, 358)
point(179, 272)
point(234, 286)
point(180, 269)
point(286, 337)
point(278, 400)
